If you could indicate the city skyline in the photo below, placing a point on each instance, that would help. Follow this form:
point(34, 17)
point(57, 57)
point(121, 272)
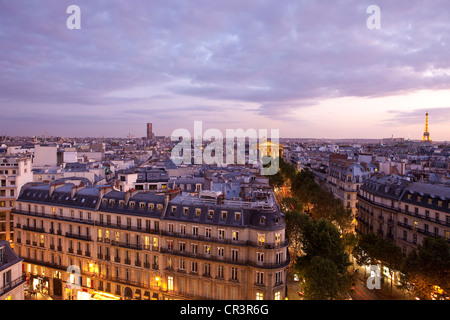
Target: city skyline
point(310, 70)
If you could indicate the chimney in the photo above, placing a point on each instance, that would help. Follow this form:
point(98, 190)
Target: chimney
point(75, 189)
point(101, 193)
point(129, 194)
point(54, 186)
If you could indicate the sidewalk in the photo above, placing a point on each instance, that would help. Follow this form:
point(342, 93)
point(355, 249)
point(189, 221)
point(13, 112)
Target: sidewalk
point(37, 296)
point(386, 292)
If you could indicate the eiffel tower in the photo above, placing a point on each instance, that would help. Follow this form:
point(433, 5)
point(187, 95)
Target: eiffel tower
point(426, 134)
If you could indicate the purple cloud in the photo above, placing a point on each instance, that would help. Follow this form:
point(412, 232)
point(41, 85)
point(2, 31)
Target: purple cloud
point(280, 56)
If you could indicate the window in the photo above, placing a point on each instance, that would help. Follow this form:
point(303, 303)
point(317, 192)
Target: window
point(220, 251)
point(237, 216)
point(260, 257)
point(208, 249)
point(194, 248)
point(194, 266)
point(170, 244)
point(278, 257)
point(182, 246)
point(234, 274)
point(224, 215)
point(207, 269)
point(220, 272)
point(182, 264)
point(210, 214)
point(259, 277)
point(170, 227)
point(234, 255)
point(235, 235)
point(170, 283)
point(261, 239)
point(278, 277)
point(221, 234)
point(277, 239)
point(208, 232)
point(277, 295)
point(197, 212)
point(183, 229)
point(195, 231)
point(185, 211)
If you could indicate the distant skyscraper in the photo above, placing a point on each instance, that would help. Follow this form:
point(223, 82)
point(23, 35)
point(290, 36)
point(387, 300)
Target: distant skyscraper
point(426, 134)
point(149, 131)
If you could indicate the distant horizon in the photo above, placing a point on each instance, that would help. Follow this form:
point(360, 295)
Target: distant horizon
point(281, 138)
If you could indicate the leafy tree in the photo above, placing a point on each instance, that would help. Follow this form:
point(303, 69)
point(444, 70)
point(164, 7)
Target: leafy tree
point(324, 261)
point(291, 204)
point(429, 266)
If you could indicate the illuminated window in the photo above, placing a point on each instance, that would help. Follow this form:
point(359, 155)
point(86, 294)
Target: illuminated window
point(235, 235)
point(277, 239)
point(277, 295)
point(261, 239)
point(170, 283)
point(259, 296)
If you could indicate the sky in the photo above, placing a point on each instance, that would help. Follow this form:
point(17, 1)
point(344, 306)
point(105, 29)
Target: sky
point(310, 69)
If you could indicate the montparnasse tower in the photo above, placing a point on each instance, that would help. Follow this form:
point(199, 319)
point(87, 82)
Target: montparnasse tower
point(426, 134)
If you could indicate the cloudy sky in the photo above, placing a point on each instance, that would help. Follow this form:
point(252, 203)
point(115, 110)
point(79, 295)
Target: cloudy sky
point(311, 69)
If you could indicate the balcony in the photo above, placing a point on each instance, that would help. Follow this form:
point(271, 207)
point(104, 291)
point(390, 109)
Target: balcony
point(78, 236)
point(128, 245)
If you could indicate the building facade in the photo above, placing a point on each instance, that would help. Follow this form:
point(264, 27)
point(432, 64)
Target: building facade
point(15, 171)
point(403, 211)
point(98, 243)
point(11, 280)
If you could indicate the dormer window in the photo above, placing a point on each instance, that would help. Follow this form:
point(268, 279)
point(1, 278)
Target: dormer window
point(159, 207)
point(121, 203)
point(174, 209)
point(237, 216)
point(197, 212)
point(131, 204)
point(262, 220)
point(224, 215)
point(111, 203)
point(185, 211)
point(142, 205)
point(210, 214)
point(151, 206)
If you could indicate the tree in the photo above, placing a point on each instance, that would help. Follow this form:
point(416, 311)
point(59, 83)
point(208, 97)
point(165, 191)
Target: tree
point(373, 249)
point(429, 266)
point(291, 204)
point(324, 261)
